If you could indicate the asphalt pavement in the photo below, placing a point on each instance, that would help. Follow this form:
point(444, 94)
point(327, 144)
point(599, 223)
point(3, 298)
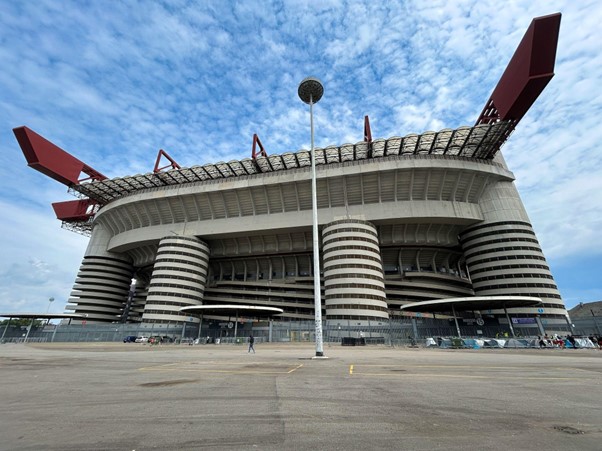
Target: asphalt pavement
point(131, 396)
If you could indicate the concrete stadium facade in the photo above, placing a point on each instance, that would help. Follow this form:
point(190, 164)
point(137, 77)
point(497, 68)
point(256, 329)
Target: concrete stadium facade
point(399, 224)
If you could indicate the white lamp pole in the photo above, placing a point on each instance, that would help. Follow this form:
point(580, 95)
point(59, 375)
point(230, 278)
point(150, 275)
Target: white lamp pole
point(50, 301)
point(310, 91)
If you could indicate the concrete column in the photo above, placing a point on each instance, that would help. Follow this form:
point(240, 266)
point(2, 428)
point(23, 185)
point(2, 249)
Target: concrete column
point(415, 327)
point(178, 279)
point(271, 325)
point(503, 255)
point(542, 330)
point(353, 272)
point(103, 282)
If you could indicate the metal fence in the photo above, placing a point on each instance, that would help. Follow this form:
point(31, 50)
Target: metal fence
point(588, 326)
point(395, 331)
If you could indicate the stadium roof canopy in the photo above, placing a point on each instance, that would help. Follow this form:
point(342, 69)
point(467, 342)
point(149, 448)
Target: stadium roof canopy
point(233, 309)
point(472, 303)
point(478, 142)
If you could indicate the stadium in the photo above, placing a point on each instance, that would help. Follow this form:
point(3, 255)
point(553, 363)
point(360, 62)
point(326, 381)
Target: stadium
point(403, 221)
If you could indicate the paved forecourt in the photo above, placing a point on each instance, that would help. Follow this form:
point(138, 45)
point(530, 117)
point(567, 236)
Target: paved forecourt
point(135, 396)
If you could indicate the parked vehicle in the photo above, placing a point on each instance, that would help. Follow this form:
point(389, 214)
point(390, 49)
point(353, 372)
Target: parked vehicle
point(130, 339)
point(142, 340)
point(155, 340)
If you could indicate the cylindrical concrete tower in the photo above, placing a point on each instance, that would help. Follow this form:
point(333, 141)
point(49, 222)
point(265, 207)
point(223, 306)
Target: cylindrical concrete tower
point(503, 255)
point(178, 279)
point(103, 281)
point(353, 272)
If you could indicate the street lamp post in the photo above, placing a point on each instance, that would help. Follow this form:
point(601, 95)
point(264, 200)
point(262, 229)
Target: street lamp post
point(50, 301)
point(310, 91)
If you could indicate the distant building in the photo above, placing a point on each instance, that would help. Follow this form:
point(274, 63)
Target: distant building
point(586, 310)
point(587, 318)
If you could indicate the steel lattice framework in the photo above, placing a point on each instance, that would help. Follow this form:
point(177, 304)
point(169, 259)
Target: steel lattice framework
point(477, 142)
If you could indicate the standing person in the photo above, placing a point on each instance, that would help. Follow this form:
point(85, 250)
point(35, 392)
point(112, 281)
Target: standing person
point(251, 343)
point(542, 344)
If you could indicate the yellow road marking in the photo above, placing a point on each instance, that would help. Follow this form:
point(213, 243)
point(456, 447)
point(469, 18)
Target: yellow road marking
point(350, 369)
point(295, 369)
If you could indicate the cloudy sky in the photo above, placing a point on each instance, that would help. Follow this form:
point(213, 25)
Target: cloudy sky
point(112, 82)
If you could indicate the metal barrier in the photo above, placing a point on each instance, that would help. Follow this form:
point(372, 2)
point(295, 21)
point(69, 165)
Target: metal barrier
point(396, 332)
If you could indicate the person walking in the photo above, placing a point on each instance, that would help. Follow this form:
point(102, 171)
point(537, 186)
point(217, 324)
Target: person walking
point(251, 343)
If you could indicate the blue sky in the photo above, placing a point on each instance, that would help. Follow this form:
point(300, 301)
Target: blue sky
point(112, 82)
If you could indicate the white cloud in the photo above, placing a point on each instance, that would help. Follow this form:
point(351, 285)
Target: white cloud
point(114, 84)
point(42, 263)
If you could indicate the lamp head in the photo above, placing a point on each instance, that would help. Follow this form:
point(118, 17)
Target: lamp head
point(310, 90)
